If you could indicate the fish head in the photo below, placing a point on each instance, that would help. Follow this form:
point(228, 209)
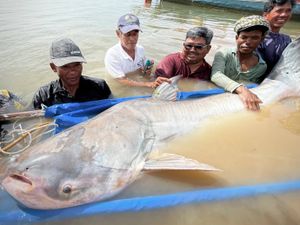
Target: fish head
point(51, 181)
point(81, 165)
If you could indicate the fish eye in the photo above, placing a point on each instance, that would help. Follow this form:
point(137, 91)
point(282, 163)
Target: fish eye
point(67, 189)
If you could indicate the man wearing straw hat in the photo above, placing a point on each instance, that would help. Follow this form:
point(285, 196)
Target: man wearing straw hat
point(242, 63)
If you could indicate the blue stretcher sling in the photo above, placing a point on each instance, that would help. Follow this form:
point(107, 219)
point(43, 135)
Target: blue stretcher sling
point(66, 115)
point(69, 114)
point(11, 213)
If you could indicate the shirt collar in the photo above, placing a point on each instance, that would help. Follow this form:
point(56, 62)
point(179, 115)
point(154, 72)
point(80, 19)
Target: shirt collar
point(58, 87)
point(260, 60)
point(123, 52)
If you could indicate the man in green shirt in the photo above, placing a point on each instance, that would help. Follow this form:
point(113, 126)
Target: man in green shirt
point(242, 63)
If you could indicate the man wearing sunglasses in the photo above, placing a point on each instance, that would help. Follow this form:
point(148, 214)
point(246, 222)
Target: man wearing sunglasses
point(277, 13)
point(127, 57)
point(190, 62)
point(231, 66)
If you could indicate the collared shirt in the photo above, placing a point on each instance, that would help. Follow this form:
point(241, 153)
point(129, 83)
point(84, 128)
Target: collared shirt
point(118, 63)
point(173, 65)
point(226, 70)
point(272, 47)
point(54, 93)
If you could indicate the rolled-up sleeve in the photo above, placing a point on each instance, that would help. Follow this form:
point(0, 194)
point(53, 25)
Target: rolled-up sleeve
point(166, 67)
point(218, 72)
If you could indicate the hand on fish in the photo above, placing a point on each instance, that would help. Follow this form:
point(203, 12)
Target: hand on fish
point(158, 81)
point(101, 164)
point(250, 100)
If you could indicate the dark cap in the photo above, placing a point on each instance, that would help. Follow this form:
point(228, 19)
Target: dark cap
point(251, 21)
point(128, 22)
point(65, 51)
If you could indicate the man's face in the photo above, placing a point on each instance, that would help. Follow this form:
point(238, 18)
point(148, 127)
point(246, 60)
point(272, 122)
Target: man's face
point(129, 39)
point(194, 50)
point(278, 16)
point(247, 42)
point(69, 74)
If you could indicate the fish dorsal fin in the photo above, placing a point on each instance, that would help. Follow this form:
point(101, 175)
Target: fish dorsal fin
point(167, 91)
point(175, 162)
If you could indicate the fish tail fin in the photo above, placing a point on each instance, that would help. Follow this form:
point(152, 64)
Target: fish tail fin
point(176, 162)
point(167, 91)
point(174, 80)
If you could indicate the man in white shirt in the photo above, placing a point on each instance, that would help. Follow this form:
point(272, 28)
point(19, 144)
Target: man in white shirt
point(127, 56)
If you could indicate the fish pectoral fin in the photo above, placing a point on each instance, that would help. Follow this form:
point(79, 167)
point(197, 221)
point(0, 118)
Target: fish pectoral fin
point(176, 162)
point(167, 91)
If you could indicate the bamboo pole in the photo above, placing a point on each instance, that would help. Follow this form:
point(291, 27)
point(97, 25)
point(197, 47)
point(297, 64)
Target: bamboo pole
point(38, 128)
point(14, 142)
point(21, 115)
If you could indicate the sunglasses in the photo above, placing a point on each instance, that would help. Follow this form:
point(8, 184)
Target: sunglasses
point(196, 47)
point(278, 1)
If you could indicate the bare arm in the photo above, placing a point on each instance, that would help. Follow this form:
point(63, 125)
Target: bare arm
point(250, 100)
point(150, 84)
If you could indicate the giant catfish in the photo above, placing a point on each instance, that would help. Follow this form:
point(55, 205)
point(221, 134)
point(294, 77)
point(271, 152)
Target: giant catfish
point(97, 159)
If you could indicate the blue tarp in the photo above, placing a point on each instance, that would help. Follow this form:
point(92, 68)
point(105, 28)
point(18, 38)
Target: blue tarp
point(14, 214)
point(69, 114)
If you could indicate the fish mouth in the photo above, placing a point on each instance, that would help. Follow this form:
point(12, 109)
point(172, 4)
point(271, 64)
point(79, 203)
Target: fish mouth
point(20, 178)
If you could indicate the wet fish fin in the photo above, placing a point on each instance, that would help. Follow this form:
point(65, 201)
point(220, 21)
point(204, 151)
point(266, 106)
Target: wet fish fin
point(175, 162)
point(167, 91)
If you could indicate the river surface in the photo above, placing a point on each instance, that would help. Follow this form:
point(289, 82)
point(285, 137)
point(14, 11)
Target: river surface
point(250, 148)
point(28, 27)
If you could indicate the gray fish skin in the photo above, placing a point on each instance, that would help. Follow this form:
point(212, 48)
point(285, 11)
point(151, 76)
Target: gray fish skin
point(97, 159)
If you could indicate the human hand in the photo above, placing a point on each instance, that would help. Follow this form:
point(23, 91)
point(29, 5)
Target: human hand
point(250, 100)
point(159, 81)
point(146, 70)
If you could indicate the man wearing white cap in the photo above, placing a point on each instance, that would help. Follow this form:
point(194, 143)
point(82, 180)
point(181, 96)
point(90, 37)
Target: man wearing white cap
point(66, 60)
point(127, 56)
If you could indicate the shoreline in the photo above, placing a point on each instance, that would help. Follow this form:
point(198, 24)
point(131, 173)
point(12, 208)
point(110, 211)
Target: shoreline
point(245, 5)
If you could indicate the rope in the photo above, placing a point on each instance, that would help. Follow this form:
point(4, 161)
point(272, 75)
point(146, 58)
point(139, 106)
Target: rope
point(22, 134)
